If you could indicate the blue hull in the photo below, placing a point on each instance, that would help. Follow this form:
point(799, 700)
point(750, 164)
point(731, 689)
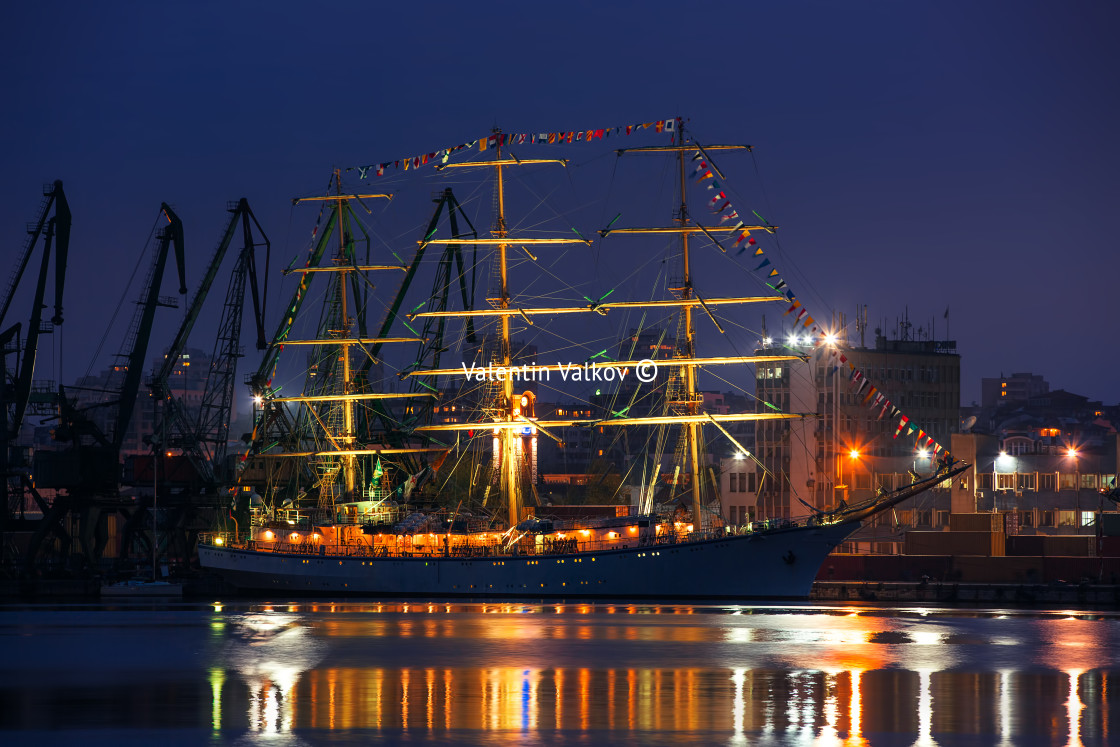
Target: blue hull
point(774, 564)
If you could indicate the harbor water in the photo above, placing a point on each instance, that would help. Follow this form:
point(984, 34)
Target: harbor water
point(293, 672)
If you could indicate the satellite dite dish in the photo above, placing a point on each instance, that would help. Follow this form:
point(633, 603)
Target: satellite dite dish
point(966, 426)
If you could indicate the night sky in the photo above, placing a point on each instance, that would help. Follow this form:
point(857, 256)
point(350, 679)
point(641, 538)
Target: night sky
point(920, 155)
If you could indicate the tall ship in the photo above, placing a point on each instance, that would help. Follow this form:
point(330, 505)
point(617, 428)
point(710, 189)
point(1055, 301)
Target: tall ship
point(328, 498)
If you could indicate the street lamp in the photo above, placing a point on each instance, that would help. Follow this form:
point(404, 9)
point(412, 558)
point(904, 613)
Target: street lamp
point(852, 454)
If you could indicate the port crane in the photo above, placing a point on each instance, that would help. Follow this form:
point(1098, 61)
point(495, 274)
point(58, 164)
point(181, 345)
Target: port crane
point(19, 391)
point(86, 475)
point(203, 435)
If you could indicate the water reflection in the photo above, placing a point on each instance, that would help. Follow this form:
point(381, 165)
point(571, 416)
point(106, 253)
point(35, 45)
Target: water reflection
point(270, 651)
point(558, 673)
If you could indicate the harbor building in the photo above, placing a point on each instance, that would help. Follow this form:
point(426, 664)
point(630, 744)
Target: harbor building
point(806, 459)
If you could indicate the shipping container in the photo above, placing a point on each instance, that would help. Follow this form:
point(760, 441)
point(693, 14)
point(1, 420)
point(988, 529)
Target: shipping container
point(980, 522)
point(1069, 545)
point(955, 543)
point(1110, 547)
point(975, 570)
point(842, 567)
point(1025, 544)
point(1110, 524)
point(913, 568)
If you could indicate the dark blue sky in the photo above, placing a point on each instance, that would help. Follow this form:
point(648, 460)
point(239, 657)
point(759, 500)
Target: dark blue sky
point(920, 154)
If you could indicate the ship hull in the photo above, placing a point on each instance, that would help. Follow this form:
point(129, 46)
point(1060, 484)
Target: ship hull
point(779, 564)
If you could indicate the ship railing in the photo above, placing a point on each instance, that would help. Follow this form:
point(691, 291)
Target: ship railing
point(528, 547)
point(223, 539)
point(387, 515)
point(284, 517)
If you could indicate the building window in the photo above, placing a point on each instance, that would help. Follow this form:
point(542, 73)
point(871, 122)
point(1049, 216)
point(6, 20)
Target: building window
point(1005, 481)
point(1067, 481)
point(984, 481)
point(1046, 482)
point(742, 482)
point(942, 518)
point(1047, 519)
point(1026, 518)
point(1067, 518)
point(753, 482)
point(1027, 481)
point(1088, 518)
point(1088, 482)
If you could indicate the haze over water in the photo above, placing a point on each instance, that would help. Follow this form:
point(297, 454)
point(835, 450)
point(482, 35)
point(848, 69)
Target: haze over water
point(346, 672)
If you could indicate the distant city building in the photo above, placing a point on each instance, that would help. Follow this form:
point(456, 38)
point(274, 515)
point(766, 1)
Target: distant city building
point(1016, 389)
point(805, 459)
point(1048, 422)
point(97, 395)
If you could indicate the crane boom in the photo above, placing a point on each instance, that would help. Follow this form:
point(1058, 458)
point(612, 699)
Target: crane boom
point(55, 231)
point(172, 233)
point(194, 432)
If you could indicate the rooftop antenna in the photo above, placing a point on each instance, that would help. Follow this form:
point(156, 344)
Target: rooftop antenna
point(861, 322)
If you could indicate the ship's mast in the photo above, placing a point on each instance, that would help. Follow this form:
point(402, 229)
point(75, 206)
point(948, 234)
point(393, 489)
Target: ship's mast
point(686, 407)
point(692, 429)
point(509, 418)
point(340, 397)
point(507, 439)
point(349, 461)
